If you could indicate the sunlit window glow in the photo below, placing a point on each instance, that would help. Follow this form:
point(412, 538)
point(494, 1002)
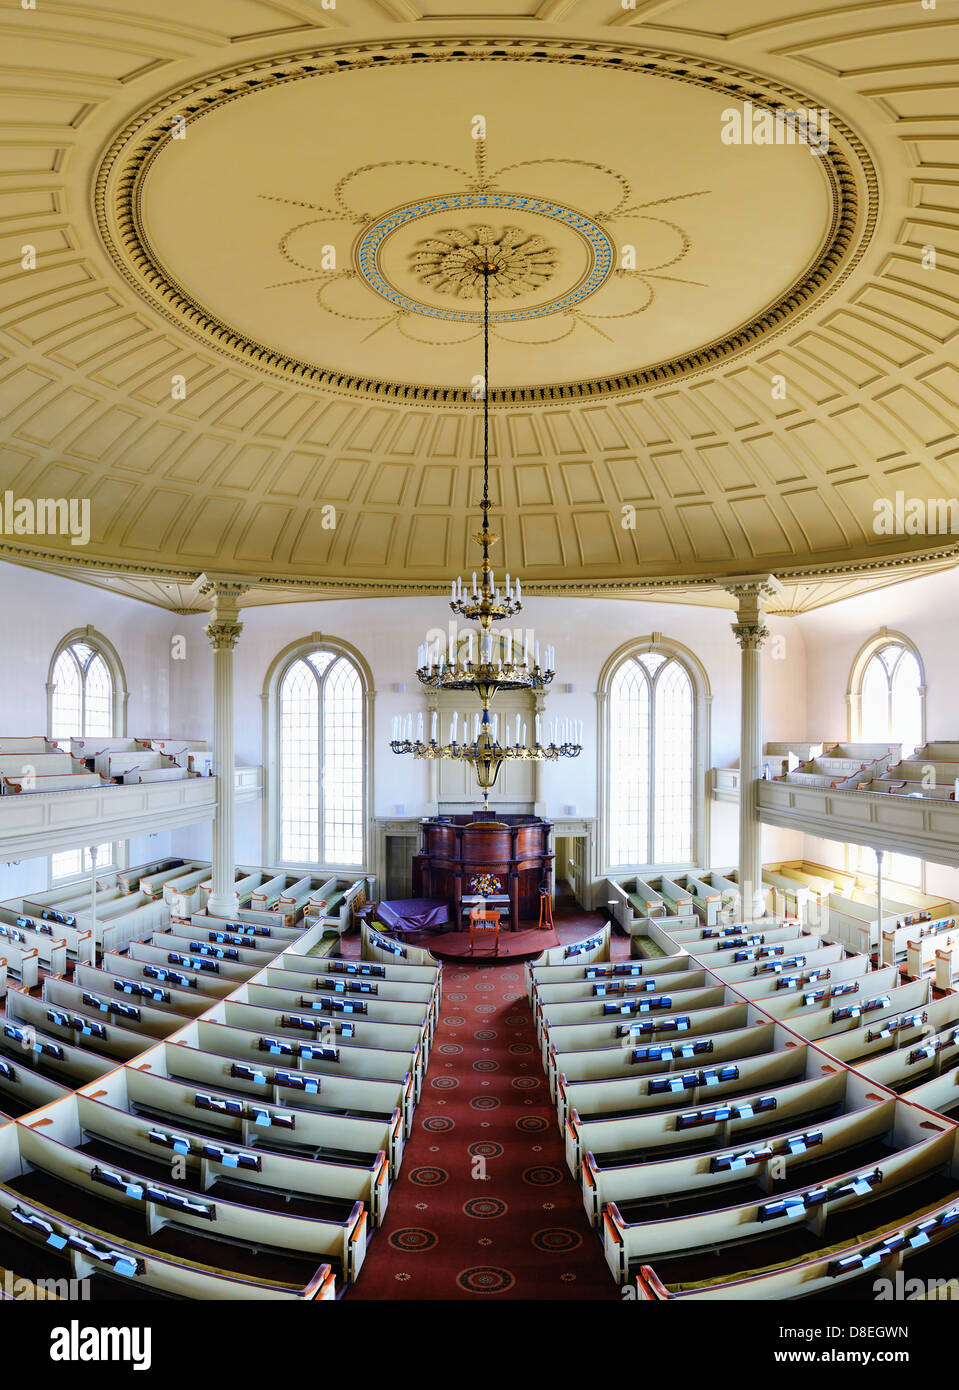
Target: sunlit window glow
point(650, 762)
point(83, 694)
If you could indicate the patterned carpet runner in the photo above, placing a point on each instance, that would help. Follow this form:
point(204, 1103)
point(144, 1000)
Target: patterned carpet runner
point(485, 1206)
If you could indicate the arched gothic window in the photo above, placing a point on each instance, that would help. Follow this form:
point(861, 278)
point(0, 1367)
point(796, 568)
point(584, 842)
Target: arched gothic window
point(321, 752)
point(650, 761)
point(890, 696)
point(83, 696)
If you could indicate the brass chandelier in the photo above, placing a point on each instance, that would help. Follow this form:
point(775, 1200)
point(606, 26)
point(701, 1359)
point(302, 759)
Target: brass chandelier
point(498, 663)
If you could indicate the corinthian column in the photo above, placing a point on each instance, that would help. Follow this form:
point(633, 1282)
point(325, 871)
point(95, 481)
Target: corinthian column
point(751, 632)
point(223, 631)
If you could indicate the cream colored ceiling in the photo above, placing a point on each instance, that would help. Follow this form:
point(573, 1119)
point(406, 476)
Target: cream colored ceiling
point(202, 259)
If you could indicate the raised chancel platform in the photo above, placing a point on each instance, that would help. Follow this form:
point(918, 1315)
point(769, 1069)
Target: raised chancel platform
point(513, 945)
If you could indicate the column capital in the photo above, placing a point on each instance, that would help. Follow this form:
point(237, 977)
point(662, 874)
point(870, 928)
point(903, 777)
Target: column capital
point(750, 636)
point(223, 634)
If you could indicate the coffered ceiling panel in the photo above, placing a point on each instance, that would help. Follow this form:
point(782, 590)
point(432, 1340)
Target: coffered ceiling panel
point(235, 291)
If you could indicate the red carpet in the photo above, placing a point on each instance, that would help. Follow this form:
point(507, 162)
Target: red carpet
point(485, 1207)
point(513, 945)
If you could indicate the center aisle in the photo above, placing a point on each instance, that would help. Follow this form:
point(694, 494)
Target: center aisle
point(485, 1206)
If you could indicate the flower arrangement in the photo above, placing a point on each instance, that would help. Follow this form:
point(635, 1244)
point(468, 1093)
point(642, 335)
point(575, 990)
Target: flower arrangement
point(486, 885)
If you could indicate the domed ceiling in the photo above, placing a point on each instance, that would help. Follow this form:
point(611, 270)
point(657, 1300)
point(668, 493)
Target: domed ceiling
point(252, 336)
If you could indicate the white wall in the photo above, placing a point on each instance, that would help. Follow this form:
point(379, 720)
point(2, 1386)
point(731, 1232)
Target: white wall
point(387, 632)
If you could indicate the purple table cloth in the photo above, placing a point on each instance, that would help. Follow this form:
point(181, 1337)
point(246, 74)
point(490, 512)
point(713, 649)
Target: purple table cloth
point(414, 914)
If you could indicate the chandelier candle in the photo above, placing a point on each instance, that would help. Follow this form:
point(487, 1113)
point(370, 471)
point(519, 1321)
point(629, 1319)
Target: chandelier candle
point(498, 664)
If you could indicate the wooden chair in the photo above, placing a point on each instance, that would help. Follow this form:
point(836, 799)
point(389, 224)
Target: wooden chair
point(545, 910)
point(483, 921)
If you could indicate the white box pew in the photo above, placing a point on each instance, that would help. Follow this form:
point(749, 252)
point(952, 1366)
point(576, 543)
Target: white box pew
point(116, 764)
point(857, 924)
point(21, 960)
point(753, 948)
point(258, 935)
point(212, 1161)
point(928, 1025)
point(631, 900)
point(360, 1099)
point(89, 747)
point(48, 782)
point(332, 905)
point(267, 894)
point(20, 765)
point(789, 898)
point(339, 998)
point(93, 1252)
point(129, 879)
point(49, 936)
point(123, 928)
point(941, 1093)
point(152, 883)
point(186, 895)
point(575, 973)
point(709, 902)
point(166, 1203)
point(244, 883)
point(828, 994)
point(141, 963)
point(858, 1013)
point(609, 987)
point(918, 1053)
point(343, 1059)
point(65, 1063)
point(313, 1133)
point(606, 1080)
point(689, 935)
point(393, 1037)
point(202, 965)
point(566, 1039)
point(710, 1172)
point(145, 1020)
point(882, 1251)
point(180, 1002)
point(244, 956)
point(920, 944)
point(430, 975)
point(293, 900)
point(622, 1007)
point(627, 1244)
point(701, 1082)
point(947, 964)
point(350, 985)
point(78, 1027)
point(591, 949)
point(23, 1089)
point(817, 954)
point(818, 968)
point(38, 744)
point(376, 945)
point(677, 898)
point(712, 1124)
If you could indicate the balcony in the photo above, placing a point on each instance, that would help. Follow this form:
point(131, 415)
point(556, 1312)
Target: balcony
point(36, 823)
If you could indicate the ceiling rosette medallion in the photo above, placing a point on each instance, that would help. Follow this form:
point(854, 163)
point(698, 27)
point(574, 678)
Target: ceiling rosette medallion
point(626, 251)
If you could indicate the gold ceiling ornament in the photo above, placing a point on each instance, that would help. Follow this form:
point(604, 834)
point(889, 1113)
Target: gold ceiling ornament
point(121, 214)
point(447, 262)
